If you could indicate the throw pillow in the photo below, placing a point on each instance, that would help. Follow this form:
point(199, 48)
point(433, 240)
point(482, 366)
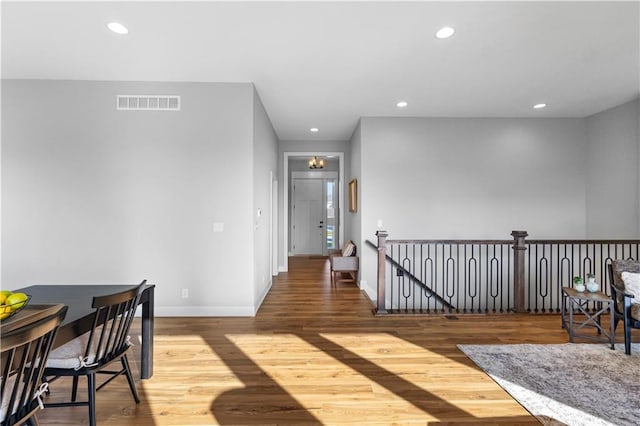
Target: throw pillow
point(348, 248)
point(632, 286)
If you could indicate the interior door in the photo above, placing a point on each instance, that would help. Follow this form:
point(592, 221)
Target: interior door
point(308, 226)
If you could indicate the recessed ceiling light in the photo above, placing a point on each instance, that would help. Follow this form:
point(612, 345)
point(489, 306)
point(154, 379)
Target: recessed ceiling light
point(445, 32)
point(539, 106)
point(314, 130)
point(117, 28)
point(402, 104)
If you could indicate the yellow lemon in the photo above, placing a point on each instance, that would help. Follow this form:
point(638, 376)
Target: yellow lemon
point(3, 298)
point(17, 300)
point(5, 311)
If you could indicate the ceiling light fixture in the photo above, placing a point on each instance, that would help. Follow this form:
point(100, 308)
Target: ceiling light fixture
point(539, 106)
point(445, 32)
point(402, 104)
point(314, 130)
point(117, 28)
point(314, 163)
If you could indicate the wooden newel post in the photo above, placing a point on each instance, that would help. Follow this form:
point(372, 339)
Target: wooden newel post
point(382, 251)
point(519, 284)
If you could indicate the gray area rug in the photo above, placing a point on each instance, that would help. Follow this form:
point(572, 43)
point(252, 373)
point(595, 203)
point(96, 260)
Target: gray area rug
point(573, 384)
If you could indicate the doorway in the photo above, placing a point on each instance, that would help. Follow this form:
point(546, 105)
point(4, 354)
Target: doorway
point(314, 229)
point(287, 217)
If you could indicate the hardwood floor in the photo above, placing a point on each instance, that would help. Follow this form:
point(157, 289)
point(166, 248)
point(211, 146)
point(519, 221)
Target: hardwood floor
point(316, 355)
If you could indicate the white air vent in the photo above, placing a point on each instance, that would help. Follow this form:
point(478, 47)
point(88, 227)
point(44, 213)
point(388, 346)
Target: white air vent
point(148, 102)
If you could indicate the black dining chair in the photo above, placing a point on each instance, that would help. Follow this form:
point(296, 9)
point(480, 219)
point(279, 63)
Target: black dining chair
point(24, 352)
point(90, 353)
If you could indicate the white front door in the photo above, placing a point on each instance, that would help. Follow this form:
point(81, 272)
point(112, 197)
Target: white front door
point(308, 226)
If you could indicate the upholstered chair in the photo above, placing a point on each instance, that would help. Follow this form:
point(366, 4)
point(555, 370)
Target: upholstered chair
point(624, 280)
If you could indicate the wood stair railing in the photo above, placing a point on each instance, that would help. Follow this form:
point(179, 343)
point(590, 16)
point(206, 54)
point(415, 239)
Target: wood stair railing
point(415, 279)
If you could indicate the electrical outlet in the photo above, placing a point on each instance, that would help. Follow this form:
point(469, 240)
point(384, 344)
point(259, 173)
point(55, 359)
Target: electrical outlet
point(185, 293)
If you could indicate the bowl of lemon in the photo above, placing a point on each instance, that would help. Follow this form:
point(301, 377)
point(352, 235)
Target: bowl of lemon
point(11, 303)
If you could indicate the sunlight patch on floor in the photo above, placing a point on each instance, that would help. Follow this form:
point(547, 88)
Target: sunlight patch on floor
point(322, 382)
point(427, 370)
point(195, 371)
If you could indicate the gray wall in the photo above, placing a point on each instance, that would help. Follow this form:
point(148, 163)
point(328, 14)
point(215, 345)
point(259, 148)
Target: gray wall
point(91, 194)
point(474, 178)
point(482, 178)
point(354, 219)
point(470, 178)
point(265, 167)
point(612, 177)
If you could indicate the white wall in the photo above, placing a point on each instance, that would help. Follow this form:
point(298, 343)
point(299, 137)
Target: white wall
point(470, 178)
point(91, 194)
point(265, 163)
point(612, 177)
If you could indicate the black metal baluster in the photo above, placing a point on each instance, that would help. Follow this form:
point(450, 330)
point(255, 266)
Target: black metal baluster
point(422, 277)
point(528, 278)
point(493, 282)
point(392, 279)
point(429, 262)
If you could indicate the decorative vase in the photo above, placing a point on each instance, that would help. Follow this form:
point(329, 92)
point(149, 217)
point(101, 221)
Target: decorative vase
point(579, 287)
point(592, 285)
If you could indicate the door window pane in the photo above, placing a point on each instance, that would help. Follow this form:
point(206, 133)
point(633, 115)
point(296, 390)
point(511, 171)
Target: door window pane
point(331, 214)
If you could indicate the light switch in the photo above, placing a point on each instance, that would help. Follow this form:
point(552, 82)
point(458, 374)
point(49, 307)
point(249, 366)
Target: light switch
point(218, 227)
point(379, 223)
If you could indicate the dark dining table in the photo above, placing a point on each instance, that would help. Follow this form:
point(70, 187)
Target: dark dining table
point(79, 298)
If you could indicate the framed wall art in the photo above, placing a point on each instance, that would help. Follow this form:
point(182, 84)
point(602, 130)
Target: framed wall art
point(353, 195)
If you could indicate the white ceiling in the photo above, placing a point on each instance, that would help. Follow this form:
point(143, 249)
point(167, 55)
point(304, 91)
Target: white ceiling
point(325, 64)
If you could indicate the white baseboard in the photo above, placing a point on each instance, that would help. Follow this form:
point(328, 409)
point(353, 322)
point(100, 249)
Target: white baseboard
point(372, 292)
point(282, 269)
point(212, 311)
point(264, 294)
point(204, 311)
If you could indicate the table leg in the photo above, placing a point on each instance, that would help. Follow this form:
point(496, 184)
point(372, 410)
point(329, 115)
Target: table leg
point(563, 310)
point(571, 302)
point(146, 352)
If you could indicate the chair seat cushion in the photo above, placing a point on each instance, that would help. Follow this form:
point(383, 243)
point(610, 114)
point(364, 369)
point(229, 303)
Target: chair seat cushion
point(4, 409)
point(632, 286)
point(71, 355)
